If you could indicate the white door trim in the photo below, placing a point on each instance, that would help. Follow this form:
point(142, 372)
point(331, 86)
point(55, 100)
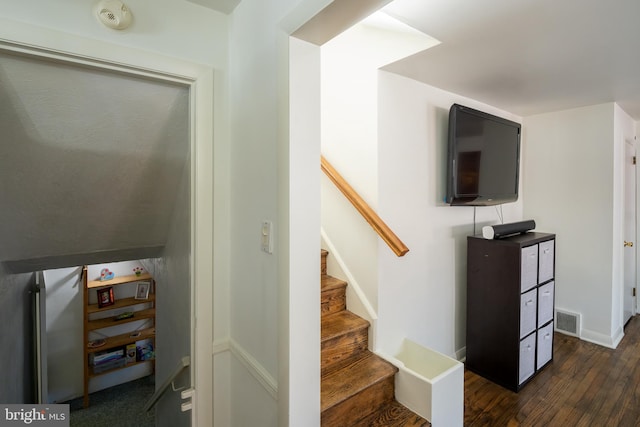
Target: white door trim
point(630, 232)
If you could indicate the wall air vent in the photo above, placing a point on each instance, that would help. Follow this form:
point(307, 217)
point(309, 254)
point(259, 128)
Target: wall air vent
point(113, 14)
point(568, 323)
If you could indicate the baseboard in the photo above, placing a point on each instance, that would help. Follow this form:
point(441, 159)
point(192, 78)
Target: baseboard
point(609, 341)
point(617, 336)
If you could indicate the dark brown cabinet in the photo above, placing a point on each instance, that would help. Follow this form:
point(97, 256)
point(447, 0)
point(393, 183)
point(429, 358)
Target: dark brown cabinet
point(510, 306)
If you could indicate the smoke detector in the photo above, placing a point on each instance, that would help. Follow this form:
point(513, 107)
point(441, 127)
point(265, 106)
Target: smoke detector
point(113, 14)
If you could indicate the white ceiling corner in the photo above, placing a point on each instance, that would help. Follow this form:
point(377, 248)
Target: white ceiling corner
point(223, 6)
point(530, 56)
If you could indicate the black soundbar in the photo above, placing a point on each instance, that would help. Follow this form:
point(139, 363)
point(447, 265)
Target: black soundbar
point(503, 230)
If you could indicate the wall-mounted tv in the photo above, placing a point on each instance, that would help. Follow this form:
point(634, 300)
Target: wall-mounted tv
point(483, 158)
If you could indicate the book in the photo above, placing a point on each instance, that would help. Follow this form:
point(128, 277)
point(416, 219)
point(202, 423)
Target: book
point(106, 356)
point(131, 353)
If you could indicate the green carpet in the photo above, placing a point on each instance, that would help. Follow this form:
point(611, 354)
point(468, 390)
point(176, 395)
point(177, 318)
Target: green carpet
point(119, 406)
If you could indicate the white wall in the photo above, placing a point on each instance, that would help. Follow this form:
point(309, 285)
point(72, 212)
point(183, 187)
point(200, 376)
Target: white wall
point(16, 323)
point(254, 175)
point(350, 62)
point(422, 296)
point(301, 381)
point(64, 333)
point(157, 26)
point(275, 178)
point(573, 183)
point(387, 136)
point(259, 116)
point(349, 82)
point(172, 274)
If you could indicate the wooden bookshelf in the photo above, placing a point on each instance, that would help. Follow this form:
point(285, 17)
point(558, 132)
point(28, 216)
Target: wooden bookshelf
point(107, 322)
point(98, 320)
point(124, 302)
point(123, 339)
point(119, 368)
point(92, 284)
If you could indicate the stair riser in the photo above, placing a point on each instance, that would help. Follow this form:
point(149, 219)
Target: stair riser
point(323, 262)
point(333, 301)
point(343, 347)
point(359, 406)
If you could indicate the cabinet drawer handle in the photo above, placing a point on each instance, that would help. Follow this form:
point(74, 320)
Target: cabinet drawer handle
point(528, 348)
point(547, 336)
point(546, 293)
point(546, 251)
point(529, 302)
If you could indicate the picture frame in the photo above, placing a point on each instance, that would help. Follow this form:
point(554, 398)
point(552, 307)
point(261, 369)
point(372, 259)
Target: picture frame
point(105, 297)
point(142, 290)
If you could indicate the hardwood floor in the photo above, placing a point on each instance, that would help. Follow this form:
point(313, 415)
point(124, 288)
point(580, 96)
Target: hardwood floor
point(585, 385)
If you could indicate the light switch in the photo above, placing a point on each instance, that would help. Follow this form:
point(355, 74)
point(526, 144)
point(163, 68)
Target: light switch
point(267, 236)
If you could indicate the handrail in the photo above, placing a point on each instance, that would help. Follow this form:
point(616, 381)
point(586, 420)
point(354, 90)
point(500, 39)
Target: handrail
point(182, 364)
point(383, 230)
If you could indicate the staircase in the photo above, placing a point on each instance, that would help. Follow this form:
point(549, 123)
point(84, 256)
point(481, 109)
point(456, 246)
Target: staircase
point(357, 386)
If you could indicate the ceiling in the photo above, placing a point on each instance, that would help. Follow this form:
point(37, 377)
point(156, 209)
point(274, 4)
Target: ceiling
point(92, 163)
point(525, 57)
point(528, 56)
point(224, 6)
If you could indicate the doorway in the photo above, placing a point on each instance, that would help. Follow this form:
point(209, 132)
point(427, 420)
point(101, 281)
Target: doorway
point(629, 307)
point(183, 259)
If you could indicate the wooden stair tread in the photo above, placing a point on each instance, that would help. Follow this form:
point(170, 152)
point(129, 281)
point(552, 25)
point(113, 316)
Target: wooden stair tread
point(338, 385)
point(340, 323)
point(328, 283)
point(393, 415)
point(343, 335)
point(357, 386)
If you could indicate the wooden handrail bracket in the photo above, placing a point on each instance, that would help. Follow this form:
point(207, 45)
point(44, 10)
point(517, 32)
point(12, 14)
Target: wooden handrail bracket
point(383, 230)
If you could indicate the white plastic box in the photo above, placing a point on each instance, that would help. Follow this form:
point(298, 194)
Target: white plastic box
point(431, 384)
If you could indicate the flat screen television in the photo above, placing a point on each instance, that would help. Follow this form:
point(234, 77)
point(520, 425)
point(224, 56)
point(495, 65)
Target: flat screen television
point(483, 158)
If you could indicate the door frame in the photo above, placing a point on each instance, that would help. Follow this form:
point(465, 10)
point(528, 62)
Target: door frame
point(25, 39)
point(630, 166)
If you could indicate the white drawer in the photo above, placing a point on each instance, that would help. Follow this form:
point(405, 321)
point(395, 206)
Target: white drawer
point(528, 308)
point(529, 268)
point(527, 358)
point(545, 345)
point(545, 303)
point(546, 261)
